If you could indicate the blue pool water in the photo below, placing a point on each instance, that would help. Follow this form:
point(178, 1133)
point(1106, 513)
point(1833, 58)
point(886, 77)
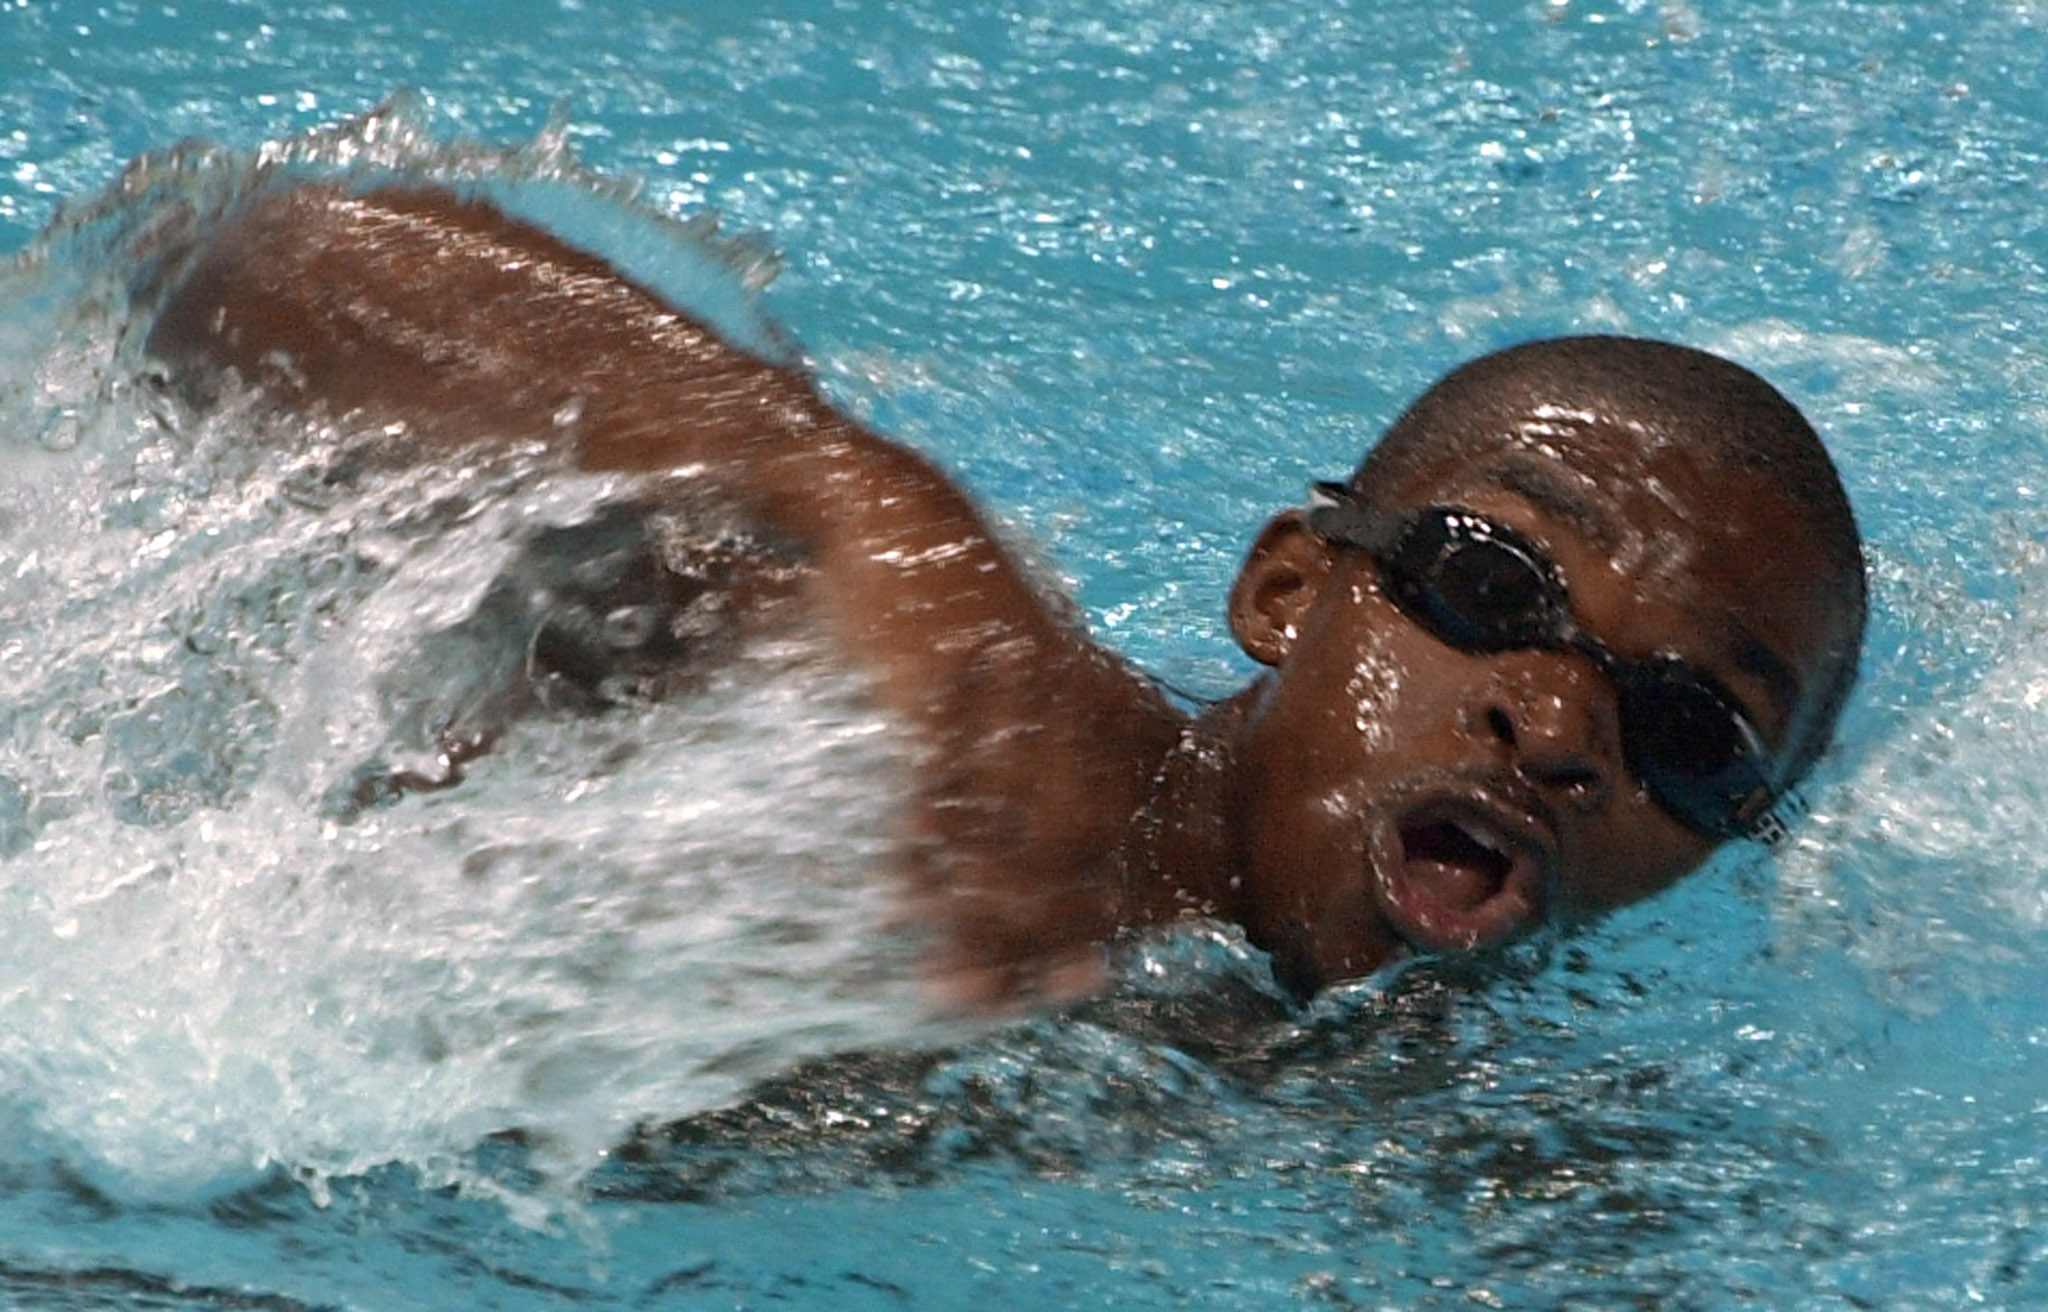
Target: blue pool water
point(1137, 270)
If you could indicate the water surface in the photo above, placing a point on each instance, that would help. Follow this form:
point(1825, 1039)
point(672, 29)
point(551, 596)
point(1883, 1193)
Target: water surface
point(1136, 271)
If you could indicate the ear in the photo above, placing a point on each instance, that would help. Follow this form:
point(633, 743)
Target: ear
point(1281, 579)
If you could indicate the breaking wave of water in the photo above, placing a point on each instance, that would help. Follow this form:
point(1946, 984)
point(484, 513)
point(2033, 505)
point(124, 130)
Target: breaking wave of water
point(208, 967)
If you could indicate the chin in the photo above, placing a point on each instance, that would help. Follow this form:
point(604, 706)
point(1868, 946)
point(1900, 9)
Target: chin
point(1304, 967)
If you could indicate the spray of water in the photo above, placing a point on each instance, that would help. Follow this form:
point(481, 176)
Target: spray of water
point(208, 966)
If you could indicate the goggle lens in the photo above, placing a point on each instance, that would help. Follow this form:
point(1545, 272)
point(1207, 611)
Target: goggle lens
point(1698, 754)
point(1476, 585)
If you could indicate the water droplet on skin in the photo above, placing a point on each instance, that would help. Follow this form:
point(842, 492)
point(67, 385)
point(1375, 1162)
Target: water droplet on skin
point(1374, 688)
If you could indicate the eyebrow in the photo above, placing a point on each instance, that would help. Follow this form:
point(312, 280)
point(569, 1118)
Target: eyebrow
point(1540, 484)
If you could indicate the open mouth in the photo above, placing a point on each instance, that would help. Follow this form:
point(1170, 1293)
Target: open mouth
point(1461, 881)
point(1462, 871)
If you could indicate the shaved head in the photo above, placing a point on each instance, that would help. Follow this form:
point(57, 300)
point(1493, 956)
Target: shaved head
point(1717, 416)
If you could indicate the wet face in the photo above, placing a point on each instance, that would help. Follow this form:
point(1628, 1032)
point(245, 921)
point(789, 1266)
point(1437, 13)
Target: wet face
point(1396, 793)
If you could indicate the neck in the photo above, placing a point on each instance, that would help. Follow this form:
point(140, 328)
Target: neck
point(1181, 851)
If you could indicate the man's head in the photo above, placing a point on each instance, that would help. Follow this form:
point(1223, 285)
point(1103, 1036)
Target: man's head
point(1587, 608)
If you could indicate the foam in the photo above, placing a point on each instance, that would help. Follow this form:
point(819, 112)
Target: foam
point(207, 970)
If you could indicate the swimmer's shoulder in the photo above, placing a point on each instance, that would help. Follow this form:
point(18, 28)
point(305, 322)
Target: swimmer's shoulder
point(421, 306)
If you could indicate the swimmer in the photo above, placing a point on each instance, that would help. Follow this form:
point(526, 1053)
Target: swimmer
point(1587, 611)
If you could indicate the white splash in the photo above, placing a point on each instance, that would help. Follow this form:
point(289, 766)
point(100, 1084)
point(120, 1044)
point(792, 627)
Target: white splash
point(1926, 863)
point(207, 968)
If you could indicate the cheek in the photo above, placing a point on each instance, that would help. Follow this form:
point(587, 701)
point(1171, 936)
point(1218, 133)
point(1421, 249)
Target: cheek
point(1317, 757)
point(1413, 702)
point(1340, 691)
point(1640, 854)
point(1372, 694)
point(1311, 902)
point(1344, 722)
point(1398, 683)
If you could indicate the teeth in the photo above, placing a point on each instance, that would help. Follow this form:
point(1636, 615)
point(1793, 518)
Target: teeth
point(1486, 838)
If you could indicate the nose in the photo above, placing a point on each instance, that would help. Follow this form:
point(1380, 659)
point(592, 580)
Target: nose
point(1553, 717)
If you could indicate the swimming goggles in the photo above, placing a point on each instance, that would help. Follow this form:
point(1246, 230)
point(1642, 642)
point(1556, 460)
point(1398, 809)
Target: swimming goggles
point(1481, 587)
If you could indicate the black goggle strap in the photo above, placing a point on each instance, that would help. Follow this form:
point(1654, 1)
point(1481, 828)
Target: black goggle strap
point(1773, 828)
point(1335, 515)
point(1783, 807)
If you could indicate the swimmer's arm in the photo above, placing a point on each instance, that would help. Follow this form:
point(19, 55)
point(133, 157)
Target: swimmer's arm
point(1040, 745)
point(449, 325)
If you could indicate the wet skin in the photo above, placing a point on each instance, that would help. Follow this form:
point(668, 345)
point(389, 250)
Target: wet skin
point(1374, 792)
point(1364, 765)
